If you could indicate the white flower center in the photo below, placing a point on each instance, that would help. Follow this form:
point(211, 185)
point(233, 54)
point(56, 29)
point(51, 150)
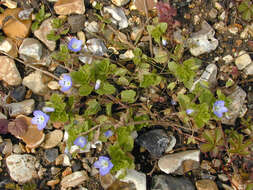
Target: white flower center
point(40, 119)
point(74, 45)
point(104, 164)
point(66, 83)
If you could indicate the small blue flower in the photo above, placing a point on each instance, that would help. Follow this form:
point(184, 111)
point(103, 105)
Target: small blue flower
point(219, 108)
point(75, 45)
point(40, 119)
point(108, 133)
point(189, 111)
point(104, 164)
point(97, 85)
point(173, 102)
point(65, 83)
point(80, 141)
point(48, 109)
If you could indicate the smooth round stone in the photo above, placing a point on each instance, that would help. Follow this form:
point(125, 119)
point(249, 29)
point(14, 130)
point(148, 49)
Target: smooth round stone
point(52, 139)
point(19, 93)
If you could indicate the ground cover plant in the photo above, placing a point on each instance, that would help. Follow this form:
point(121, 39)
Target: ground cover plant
point(103, 101)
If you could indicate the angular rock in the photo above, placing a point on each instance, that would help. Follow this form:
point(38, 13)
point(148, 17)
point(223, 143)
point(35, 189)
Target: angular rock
point(249, 69)
point(25, 107)
point(21, 167)
point(9, 72)
point(67, 7)
point(137, 178)
point(139, 4)
point(8, 46)
point(53, 85)
point(120, 3)
point(118, 16)
point(8, 147)
point(171, 162)
point(2, 116)
point(76, 23)
point(95, 46)
point(107, 180)
point(74, 179)
point(13, 27)
point(92, 27)
point(52, 139)
point(203, 41)
point(237, 99)
point(155, 141)
point(59, 71)
point(206, 184)
point(243, 60)
point(166, 182)
point(30, 50)
point(44, 29)
point(18, 93)
point(35, 82)
point(51, 154)
point(10, 4)
point(33, 137)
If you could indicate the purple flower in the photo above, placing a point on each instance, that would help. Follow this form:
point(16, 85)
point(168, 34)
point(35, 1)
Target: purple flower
point(48, 109)
point(108, 133)
point(65, 83)
point(219, 108)
point(80, 141)
point(97, 85)
point(75, 45)
point(104, 164)
point(40, 119)
point(189, 111)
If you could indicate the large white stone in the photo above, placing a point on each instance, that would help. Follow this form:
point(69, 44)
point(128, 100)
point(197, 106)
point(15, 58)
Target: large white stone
point(118, 16)
point(243, 60)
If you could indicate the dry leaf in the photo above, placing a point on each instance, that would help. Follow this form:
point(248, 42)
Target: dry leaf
point(18, 127)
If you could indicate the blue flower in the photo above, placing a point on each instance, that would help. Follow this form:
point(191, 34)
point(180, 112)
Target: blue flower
point(65, 83)
point(48, 109)
point(219, 108)
point(108, 133)
point(189, 111)
point(40, 119)
point(97, 85)
point(104, 164)
point(75, 45)
point(173, 102)
point(80, 141)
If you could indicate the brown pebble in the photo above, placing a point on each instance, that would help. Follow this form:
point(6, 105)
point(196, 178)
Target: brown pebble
point(53, 182)
point(67, 171)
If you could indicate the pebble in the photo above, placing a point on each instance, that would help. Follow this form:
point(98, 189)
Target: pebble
point(13, 28)
point(76, 23)
point(10, 4)
point(2, 116)
point(74, 179)
point(118, 16)
point(206, 184)
point(243, 60)
point(106, 180)
point(55, 171)
point(237, 100)
point(67, 171)
point(25, 107)
point(127, 55)
point(30, 50)
point(120, 3)
point(18, 93)
point(51, 154)
point(155, 141)
point(52, 139)
point(223, 177)
point(33, 137)
point(44, 29)
point(34, 81)
point(203, 41)
point(21, 167)
point(53, 182)
point(9, 72)
point(53, 85)
point(17, 149)
point(228, 59)
point(9, 47)
point(95, 46)
point(137, 178)
point(249, 69)
point(67, 7)
point(59, 71)
point(171, 162)
point(8, 147)
point(167, 182)
point(213, 13)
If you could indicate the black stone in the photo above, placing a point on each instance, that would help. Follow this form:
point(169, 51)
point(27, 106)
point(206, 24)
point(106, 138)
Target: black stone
point(51, 154)
point(19, 93)
point(76, 23)
point(77, 166)
point(166, 182)
point(59, 71)
point(155, 141)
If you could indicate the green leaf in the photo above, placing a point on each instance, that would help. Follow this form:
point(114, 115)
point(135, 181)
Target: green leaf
point(150, 80)
point(108, 107)
point(52, 36)
point(161, 56)
point(243, 7)
point(106, 88)
point(206, 147)
point(93, 107)
point(35, 26)
point(172, 85)
point(125, 139)
point(247, 15)
point(85, 90)
point(128, 96)
point(229, 83)
point(202, 115)
point(57, 22)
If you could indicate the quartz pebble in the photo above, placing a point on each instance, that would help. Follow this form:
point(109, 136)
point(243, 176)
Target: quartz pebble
point(118, 16)
point(67, 7)
point(137, 178)
point(9, 72)
point(30, 49)
point(243, 60)
point(249, 69)
point(8, 46)
point(74, 179)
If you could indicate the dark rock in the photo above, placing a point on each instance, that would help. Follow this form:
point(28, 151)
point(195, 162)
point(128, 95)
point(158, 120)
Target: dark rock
point(166, 182)
point(51, 154)
point(4, 126)
point(59, 71)
point(76, 23)
point(155, 141)
point(19, 93)
point(77, 166)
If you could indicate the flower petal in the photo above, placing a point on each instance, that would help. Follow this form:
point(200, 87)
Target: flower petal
point(104, 171)
point(97, 164)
